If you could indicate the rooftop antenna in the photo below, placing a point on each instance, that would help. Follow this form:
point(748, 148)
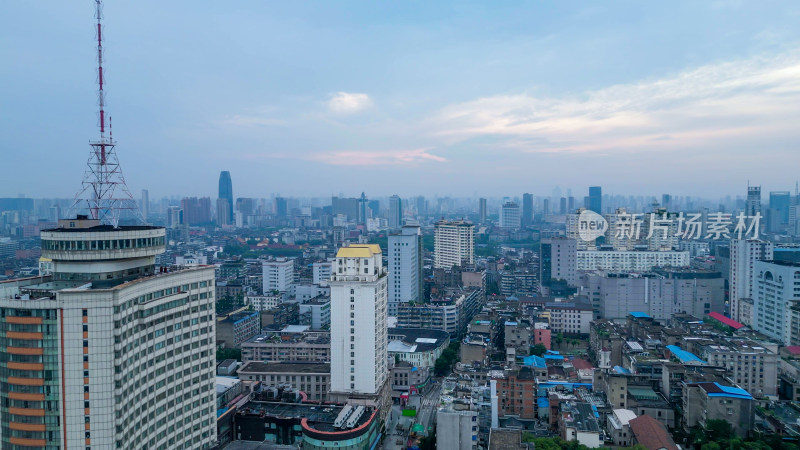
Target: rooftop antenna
point(104, 192)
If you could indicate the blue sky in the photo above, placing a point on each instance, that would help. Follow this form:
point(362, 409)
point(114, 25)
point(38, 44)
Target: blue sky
point(493, 98)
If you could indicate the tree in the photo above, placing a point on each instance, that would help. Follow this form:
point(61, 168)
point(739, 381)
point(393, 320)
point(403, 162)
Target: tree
point(718, 430)
point(229, 353)
point(538, 350)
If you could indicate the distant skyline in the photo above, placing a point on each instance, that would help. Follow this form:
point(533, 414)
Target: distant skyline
point(459, 99)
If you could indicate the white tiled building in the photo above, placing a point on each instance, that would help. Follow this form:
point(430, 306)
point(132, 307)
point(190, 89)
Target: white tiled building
point(105, 352)
point(358, 321)
point(278, 275)
point(744, 254)
point(454, 244)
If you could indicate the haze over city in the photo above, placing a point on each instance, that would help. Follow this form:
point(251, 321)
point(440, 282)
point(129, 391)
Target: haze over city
point(487, 99)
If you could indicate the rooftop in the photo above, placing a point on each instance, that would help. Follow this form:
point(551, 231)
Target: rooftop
point(285, 367)
point(651, 433)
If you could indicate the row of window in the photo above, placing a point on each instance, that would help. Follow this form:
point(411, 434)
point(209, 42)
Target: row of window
point(108, 244)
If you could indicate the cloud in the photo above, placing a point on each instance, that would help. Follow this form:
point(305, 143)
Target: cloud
point(699, 107)
point(349, 103)
point(376, 158)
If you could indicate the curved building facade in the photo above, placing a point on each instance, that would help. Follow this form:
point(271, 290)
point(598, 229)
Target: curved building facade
point(108, 351)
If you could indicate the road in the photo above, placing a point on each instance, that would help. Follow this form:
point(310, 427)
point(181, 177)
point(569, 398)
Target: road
point(425, 416)
point(427, 410)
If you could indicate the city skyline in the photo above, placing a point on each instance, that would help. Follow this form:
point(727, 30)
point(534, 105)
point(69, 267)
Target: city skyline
point(557, 95)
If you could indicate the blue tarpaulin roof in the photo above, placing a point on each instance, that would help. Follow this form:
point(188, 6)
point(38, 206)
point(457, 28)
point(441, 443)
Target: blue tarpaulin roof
point(543, 402)
point(559, 357)
point(639, 314)
point(620, 369)
point(683, 355)
point(730, 391)
point(534, 361)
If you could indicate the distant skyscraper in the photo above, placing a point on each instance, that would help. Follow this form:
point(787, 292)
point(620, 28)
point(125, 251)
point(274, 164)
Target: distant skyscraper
point(359, 333)
point(422, 206)
point(596, 199)
point(145, 206)
point(454, 244)
point(281, 207)
point(753, 203)
point(527, 209)
point(363, 213)
point(666, 201)
point(223, 210)
point(781, 201)
point(395, 212)
point(196, 210)
point(570, 205)
point(226, 192)
point(546, 206)
point(174, 216)
point(405, 267)
point(562, 205)
point(482, 210)
point(510, 215)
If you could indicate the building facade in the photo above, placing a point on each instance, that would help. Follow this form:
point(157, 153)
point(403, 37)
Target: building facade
point(405, 267)
point(358, 321)
point(92, 350)
point(743, 255)
point(454, 244)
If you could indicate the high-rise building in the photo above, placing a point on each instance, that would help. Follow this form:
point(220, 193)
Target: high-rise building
point(775, 299)
point(482, 210)
point(666, 201)
point(558, 260)
point(75, 343)
point(223, 210)
point(278, 275)
point(405, 267)
point(174, 217)
point(454, 244)
point(562, 205)
point(510, 217)
point(281, 207)
point(226, 192)
point(145, 204)
point(422, 206)
point(196, 210)
point(753, 203)
point(595, 199)
point(744, 254)
point(781, 201)
point(347, 207)
point(395, 212)
point(571, 204)
point(527, 209)
point(363, 213)
point(359, 336)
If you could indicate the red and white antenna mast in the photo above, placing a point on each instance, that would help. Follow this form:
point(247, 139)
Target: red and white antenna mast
point(104, 194)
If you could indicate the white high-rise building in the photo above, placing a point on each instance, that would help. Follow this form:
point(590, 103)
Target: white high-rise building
point(510, 215)
point(405, 267)
point(744, 254)
point(454, 244)
point(395, 212)
point(776, 289)
point(278, 275)
point(359, 336)
point(107, 351)
point(321, 272)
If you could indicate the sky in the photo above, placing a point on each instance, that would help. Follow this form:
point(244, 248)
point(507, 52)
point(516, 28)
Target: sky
point(407, 97)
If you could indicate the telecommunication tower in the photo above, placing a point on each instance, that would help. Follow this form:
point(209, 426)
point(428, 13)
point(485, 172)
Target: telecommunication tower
point(104, 194)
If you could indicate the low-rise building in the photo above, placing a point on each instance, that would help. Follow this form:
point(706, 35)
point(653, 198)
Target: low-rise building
point(233, 329)
point(311, 378)
point(714, 401)
point(577, 422)
point(282, 347)
point(418, 346)
point(651, 434)
point(618, 426)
